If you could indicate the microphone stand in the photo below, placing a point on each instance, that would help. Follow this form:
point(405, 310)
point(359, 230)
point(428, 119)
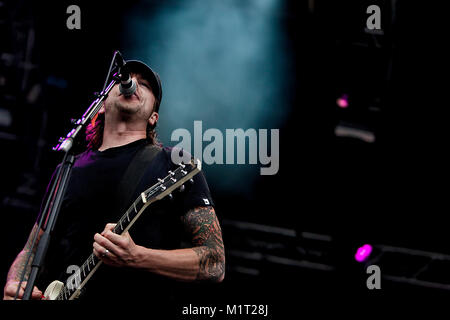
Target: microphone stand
point(59, 184)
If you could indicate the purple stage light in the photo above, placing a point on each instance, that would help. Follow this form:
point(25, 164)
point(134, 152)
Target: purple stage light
point(363, 253)
point(342, 101)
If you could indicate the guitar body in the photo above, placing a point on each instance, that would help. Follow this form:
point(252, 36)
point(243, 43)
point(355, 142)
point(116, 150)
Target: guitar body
point(53, 290)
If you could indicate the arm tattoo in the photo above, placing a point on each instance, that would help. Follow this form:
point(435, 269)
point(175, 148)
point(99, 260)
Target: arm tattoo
point(19, 263)
point(202, 224)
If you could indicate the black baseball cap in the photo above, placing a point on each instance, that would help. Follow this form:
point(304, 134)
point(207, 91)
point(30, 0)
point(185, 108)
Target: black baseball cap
point(137, 66)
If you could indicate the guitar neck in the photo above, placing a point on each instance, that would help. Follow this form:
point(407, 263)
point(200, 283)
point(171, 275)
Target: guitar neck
point(88, 268)
point(157, 192)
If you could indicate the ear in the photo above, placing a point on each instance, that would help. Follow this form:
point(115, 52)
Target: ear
point(153, 119)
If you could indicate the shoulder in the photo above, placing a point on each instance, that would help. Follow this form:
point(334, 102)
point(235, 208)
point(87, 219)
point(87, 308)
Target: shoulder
point(176, 155)
point(84, 155)
point(78, 157)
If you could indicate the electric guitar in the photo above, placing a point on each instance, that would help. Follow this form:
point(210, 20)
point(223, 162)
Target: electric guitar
point(164, 187)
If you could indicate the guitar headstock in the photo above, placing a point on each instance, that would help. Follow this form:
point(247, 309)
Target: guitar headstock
point(164, 187)
point(174, 180)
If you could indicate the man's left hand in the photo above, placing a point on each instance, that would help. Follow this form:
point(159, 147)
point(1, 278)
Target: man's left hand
point(115, 250)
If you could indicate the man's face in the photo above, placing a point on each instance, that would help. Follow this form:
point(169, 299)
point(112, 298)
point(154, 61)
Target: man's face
point(137, 106)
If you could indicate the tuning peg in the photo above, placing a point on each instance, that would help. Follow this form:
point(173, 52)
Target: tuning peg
point(191, 181)
point(182, 188)
point(170, 196)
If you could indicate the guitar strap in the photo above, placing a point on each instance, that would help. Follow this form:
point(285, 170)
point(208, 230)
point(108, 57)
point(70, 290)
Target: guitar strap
point(134, 174)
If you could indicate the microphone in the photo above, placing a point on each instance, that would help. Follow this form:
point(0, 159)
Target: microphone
point(127, 86)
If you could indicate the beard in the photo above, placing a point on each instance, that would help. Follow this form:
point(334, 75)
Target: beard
point(128, 108)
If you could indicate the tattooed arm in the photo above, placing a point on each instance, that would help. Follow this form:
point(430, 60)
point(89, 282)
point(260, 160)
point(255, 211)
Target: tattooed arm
point(16, 269)
point(204, 261)
point(202, 224)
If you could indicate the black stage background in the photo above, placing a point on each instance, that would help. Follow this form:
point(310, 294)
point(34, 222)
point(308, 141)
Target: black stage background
point(300, 228)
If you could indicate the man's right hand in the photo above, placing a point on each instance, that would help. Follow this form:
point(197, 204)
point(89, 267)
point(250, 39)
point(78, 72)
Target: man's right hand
point(10, 290)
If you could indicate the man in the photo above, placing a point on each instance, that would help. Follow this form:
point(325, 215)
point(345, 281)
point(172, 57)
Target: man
point(143, 262)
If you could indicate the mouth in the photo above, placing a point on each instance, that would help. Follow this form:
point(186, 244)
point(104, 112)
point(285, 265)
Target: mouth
point(131, 96)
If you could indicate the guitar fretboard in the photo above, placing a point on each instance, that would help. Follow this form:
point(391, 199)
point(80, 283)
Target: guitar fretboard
point(92, 263)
